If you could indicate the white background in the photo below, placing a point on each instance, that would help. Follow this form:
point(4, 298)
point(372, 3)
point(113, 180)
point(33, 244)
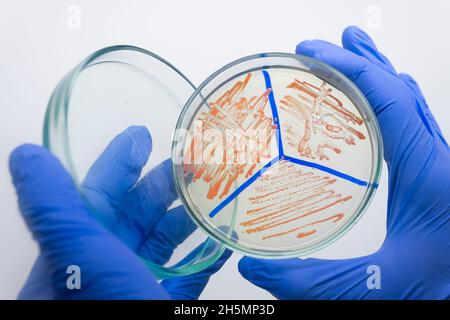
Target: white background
point(38, 46)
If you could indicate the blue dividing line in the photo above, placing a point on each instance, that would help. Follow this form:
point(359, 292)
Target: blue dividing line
point(242, 187)
point(326, 169)
point(273, 107)
point(281, 155)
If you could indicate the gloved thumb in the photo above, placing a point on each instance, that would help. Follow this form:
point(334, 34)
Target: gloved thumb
point(68, 236)
point(307, 278)
point(48, 198)
point(191, 286)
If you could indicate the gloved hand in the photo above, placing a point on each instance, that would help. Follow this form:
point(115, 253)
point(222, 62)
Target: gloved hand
point(134, 220)
point(414, 260)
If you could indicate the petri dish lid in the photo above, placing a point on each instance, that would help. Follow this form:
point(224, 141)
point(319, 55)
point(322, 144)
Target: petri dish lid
point(96, 123)
point(280, 149)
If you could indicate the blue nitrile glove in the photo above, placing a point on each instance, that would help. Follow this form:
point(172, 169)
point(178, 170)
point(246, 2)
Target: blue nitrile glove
point(414, 261)
point(136, 216)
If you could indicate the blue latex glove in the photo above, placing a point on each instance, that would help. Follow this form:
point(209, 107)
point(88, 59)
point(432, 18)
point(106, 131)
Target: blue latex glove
point(134, 220)
point(414, 260)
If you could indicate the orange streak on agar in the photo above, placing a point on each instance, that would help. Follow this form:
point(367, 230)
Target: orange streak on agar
point(306, 234)
point(316, 125)
point(288, 195)
point(299, 204)
point(316, 119)
point(336, 104)
point(335, 218)
point(267, 194)
point(285, 221)
point(231, 111)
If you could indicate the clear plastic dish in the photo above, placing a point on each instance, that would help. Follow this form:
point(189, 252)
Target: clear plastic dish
point(111, 90)
point(276, 155)
point(301, 165)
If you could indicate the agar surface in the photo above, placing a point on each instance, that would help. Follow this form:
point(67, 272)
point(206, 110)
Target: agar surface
point(316, 121)
point(323, 117)
point(288, 195)
point(241, 118)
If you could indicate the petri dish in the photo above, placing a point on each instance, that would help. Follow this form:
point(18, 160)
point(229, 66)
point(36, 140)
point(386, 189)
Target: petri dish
point(111, 90)
point(276, 155)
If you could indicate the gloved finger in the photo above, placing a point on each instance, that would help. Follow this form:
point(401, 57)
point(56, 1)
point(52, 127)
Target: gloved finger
point(44, 188)
point(37, 285)
point(343, 60)
point(171, 230)
point(422, 104)
point(360, 43)
point(309, 278)
point(413, 85)
point(389, 97)
point(150, 198)
point(191, 286)
point(116, 171)
point(68, 235)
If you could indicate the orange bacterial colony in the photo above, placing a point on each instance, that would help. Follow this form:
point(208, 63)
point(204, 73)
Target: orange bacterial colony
point(281, 144)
